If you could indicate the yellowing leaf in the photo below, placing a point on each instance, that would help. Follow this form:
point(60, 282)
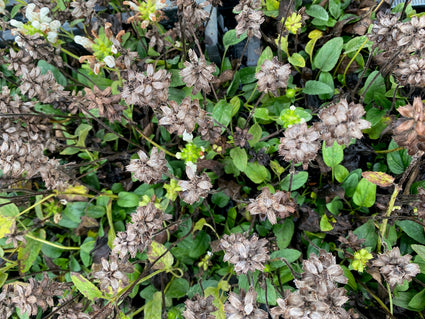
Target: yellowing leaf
point(78, 189)
point(315, 34)
point(297, 60)
point(29, 253)
point(7, 225)
point(379, 178)
point(155, 250)
point(89, 290)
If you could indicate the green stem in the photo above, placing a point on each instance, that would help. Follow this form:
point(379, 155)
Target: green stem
point(390, 297)
point(70, 54)
point(390, 151)
point(383, 226)
point(353, 58)
point(37, 203)
point(154, 143)
point(51, 244)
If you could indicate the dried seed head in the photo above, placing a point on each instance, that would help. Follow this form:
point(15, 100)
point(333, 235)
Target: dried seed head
point(249, 20)
point(352, 241)
point(244, 305)
point(112, 276)
point(200, 307)
point(385, 31)
point(183, 117)
point(317, 295)
point(107, 104)
point(193, 12)
point(269, 206)
point(272, 76)
point(196, 187)
point(147, 89)
point(341, 122)
point(411, 71)
point(146, 221)
point(246, 254)
point(300, 144)
point(148, 170)
point(409, 130)
point(197, 73)
point(396, 268)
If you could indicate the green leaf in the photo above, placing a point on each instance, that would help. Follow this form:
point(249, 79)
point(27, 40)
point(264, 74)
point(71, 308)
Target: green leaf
point(267, 54)
point(325, 224)
point(256, 132)
point(318, 12)
point(354, 44)
point(284, 233)
point(341, 173)
point(313, 87)
point(276, 168)
point(234, 85)
point(236, 104)
point(239, 157)
point(176, 79)
point(412, 229)
point(327, 78)
point(82, 131)
point(15, 10)
point(334, 206)
point(155, 250)
point(29, 253)
point(351, 280)
point(230, 38)
point(86, 288)
point(298, 181)
point(350, 184)
point(220, 199)
point(333, 155)
point(290, 255)
point(222, 112)
point(335, 8)
point(368, 232)
point(262, 113)
point(397, 161)
point(402, 299)
point(377, 87)
point(126, 199)
point(328, 55)
point(9, 210)
point(178, 288)
point(85, 250)
point(420, 250)
point(247, 75)
point(257, 173)
point(418, 301)
point(365, 194)
point(297, 59)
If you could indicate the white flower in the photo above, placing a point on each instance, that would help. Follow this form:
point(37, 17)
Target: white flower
point(85, 42)
point(114, 49)
point(109, 60)
point(15, 23)
point(55, 25)
point(52, 36)
point(2, 7)
point(188, 137)
point(29, 12)
point(192, 166)
point(43, 15)
point(292, 108)
point(160, 4)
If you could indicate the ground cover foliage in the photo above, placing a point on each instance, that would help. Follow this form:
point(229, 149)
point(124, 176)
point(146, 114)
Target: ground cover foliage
point(143, 178)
